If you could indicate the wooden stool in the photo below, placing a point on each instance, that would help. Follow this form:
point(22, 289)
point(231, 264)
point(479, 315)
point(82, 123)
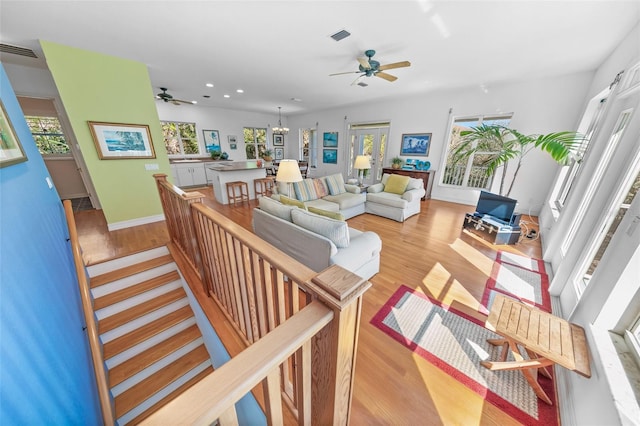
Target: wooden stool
point(263, 186)
point(240, 195)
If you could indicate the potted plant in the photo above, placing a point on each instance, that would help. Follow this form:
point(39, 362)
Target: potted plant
point(267, 155)
point(499, 144)
point(396, 162)
point(215, 155)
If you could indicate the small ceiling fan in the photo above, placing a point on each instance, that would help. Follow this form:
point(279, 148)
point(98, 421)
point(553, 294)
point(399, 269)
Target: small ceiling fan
point(369, 67)
point(168, 98)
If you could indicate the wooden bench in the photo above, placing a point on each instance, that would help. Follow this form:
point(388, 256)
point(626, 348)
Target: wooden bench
point(546, 338)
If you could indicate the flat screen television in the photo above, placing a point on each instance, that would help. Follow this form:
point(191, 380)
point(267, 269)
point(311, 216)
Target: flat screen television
point(500, 207)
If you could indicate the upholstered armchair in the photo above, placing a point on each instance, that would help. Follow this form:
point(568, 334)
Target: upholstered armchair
point(395, 197)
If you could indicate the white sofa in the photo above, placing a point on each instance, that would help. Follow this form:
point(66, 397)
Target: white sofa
point(395, 206)
point(327, 193)
point(317, 241)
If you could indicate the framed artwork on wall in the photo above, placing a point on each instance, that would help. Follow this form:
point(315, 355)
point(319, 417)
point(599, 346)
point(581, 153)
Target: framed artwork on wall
point(11, 151)
point(279, 153)
point(330, 156)
point(211, 140)
point(415, 144)
point(278, 140)
point(330, 139)
point(116, 141)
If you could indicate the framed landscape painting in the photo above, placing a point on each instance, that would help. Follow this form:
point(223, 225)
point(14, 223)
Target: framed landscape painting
point(330, 156)
point(10, 149)
point(330, 139)
point(416, 144)
point(211, 140)
point(116, 141)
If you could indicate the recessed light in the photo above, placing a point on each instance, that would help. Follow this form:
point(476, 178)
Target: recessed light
point(240, 91)
point(194, 102)
point(209, 84)
point(227, 96)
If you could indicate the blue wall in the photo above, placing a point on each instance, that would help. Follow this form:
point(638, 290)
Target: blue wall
point(45, 365)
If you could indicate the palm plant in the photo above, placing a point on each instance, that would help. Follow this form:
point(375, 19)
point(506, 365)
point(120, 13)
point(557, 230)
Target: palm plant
point(495, 146)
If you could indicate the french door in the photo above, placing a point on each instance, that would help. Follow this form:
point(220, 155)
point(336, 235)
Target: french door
point(369, 140)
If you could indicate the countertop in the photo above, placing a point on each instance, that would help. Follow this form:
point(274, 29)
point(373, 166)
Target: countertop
point(235, 166)
point(196, 160)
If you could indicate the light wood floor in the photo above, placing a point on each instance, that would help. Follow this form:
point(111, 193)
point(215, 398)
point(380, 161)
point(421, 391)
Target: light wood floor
point(428, 252)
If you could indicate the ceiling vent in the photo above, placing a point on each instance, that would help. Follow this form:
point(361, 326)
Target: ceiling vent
point(361, 84)
point(342, 34)
point(15, 50)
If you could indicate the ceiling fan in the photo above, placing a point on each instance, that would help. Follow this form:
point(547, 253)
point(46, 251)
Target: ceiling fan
point(168, 98)
point(369, 67)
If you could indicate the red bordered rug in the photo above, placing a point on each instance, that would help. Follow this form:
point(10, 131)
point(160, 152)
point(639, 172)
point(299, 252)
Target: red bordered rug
point(456, 343)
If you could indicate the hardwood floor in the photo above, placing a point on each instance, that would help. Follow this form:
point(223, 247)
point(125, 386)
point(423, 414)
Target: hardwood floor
point(428, 252)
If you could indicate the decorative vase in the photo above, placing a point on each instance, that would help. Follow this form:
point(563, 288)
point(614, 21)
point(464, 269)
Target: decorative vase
point(395, 166)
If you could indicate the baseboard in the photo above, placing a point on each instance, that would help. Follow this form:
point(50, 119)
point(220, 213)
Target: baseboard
point(135, 222)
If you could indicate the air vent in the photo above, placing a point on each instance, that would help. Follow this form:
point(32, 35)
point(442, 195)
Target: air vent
point(340, 35)
point(361, 84)
point(15, 50)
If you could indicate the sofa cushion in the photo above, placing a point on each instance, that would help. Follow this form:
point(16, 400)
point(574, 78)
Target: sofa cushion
point(335, 230)
point(275, 208)
point(321, 187)
point(305, 190)
point(335, 183)
point(387, 199)
point(346, 200)
point(396, 184)
point(325, 213)
point(323, 204)
point(291, 202)
point(415, 184)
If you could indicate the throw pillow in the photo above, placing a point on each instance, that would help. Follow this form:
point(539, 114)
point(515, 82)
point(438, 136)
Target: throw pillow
point(335, 230)
point(291, 202)
point(326, 213)
point(415, 184)
point(396, 184)
point(305, 190)
point(335, 184)
point(275, 208)
point(321, 187)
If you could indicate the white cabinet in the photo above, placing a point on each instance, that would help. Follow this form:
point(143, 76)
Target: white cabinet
point(189, 174)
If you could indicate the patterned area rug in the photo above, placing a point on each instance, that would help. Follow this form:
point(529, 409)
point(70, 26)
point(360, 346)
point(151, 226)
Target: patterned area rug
point(456, 344)
point(519, 277)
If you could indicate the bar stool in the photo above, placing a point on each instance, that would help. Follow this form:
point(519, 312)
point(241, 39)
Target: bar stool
point(237, 191)
point(263, 186)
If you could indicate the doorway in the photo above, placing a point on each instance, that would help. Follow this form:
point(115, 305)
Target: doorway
point(368, 139)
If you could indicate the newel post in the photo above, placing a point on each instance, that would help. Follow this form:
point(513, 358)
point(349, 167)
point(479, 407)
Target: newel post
point(334, 348)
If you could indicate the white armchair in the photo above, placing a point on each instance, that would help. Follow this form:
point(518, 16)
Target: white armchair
point(393, 205)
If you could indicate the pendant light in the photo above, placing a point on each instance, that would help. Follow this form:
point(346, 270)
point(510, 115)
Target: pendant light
point(279, 130)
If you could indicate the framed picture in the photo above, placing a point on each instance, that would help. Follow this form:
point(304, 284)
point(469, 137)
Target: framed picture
point(330, 156)
point(279, 153)
point(278, 140)
point(11, 151)
point(330, 139)
point(233, 146)
point(232, 139)
point(415, 144)
point(211, 140)
point(117, 141)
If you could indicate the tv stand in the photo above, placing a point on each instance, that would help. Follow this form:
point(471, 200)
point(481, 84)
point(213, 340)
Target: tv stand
point(491, 229)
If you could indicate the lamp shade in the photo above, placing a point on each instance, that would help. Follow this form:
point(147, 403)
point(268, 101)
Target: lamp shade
point(362, 162)
point(288, 171)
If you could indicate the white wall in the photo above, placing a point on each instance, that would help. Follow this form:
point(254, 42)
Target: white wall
point(540, 106)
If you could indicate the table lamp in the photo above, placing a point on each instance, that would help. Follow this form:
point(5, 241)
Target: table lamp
point(362, 163)
point(288, 172)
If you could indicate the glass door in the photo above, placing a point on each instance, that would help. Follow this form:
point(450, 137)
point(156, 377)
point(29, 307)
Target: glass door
point(370, 141)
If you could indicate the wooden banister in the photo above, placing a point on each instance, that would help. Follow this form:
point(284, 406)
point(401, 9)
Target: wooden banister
point(214, 395)
point(92, 329)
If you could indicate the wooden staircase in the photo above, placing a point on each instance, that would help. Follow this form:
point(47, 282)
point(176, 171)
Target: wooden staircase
point(152, 346)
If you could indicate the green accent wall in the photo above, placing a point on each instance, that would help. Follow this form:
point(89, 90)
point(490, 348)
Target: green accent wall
point(98, 87)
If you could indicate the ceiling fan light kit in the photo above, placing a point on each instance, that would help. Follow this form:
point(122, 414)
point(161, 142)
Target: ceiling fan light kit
point(369, 67)
point(279, 130)
point(166, 97)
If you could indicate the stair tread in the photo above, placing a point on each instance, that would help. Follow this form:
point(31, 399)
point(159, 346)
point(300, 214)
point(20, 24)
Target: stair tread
point(138, 393)
point(129, 340)
point(134, 365)
point(134, 290)
point(204, 373)
point(114, 321)
point(129, 270)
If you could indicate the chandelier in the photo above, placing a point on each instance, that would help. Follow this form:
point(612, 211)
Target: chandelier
point(279, 130)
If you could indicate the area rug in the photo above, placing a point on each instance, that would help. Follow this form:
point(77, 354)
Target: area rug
point(456, 344)
point(519, 277)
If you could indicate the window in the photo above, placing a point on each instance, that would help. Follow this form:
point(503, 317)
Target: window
point(48, 135)
point(180, 138)
point(255, 141)
point(470, 172)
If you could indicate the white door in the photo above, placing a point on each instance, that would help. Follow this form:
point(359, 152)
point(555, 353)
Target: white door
point(372, 142)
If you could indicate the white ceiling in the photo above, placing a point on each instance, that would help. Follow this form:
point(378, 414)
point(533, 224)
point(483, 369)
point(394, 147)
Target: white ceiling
point(278, 50)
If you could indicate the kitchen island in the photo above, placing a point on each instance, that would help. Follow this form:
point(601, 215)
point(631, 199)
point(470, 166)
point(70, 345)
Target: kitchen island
point(245, 171)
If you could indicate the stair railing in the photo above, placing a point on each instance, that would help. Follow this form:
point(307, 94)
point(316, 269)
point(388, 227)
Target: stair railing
point(260, 288)
point(89, 318)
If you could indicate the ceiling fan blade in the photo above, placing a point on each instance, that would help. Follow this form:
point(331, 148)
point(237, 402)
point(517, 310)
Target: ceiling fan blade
point(394, 65)
point(357, 80)
point(348, 72)
point(364, 62)
point(386, 76)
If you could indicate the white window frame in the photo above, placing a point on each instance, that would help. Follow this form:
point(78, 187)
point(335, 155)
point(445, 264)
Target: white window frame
point(28, 118)
point(180, 139)
point(256, 144)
